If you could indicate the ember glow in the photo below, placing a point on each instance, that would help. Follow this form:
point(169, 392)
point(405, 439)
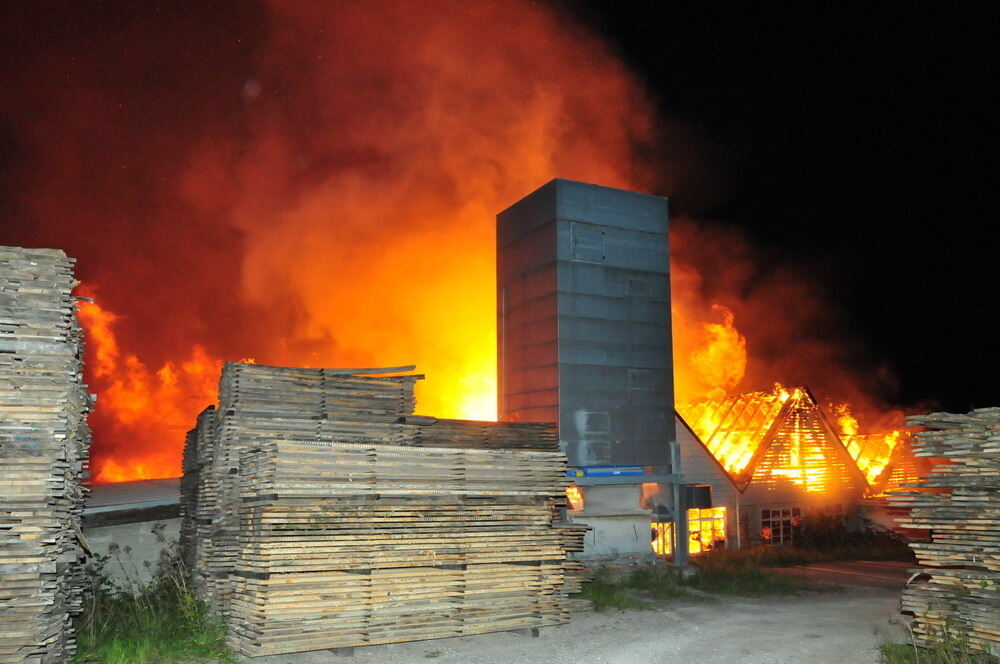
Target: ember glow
point(315, 184)
point(139, 402)
point(737, 429)
point(304, 183)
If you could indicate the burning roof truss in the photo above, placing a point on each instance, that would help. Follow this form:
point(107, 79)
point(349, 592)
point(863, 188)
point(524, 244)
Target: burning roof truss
point(783, 438)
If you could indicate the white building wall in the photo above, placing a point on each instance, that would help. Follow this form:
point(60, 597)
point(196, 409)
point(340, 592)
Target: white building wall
point(699, 467)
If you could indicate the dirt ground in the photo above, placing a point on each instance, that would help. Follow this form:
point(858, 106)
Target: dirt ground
point(844, 627)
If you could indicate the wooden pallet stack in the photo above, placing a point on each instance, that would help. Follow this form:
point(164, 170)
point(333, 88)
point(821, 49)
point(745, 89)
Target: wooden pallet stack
point(44, 443)
point(364, 524)
point(959, 502)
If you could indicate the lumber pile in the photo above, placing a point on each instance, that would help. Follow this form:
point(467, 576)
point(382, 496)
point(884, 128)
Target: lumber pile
point(44, 443)
point(340, 519)
point(959, 502)
point(434, 432)
point(195, 521)
point(259, 402)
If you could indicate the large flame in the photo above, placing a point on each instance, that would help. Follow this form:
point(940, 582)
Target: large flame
point(315, 184)
point(137, 402)
point(305, 183)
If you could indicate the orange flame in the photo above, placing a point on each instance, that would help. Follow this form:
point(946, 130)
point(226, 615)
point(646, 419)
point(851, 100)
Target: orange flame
point(354, 187)
point(137, 401)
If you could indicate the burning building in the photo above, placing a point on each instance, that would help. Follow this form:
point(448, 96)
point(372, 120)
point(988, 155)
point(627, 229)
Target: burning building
point(584, 340)
point(775, 459)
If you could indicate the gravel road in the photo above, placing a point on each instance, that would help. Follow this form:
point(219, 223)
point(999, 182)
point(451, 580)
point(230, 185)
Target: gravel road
point(843, 627)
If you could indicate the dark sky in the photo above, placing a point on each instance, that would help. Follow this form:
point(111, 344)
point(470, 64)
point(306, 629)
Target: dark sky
point(853, 140)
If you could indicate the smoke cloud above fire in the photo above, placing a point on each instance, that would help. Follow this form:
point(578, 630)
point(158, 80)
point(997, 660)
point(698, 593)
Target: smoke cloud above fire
point(745, 319)
point(315, 184)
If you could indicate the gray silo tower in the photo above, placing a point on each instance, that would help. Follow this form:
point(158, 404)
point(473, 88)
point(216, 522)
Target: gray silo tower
point(584, 340)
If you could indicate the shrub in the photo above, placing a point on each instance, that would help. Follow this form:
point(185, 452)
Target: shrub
point(160, 622)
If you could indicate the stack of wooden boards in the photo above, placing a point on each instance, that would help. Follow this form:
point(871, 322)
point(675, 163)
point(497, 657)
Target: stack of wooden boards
point(44, 443)
point(959, 502)
point(328, 516)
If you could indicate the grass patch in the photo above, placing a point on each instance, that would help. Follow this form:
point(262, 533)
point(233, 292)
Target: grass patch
point(749, 581)
point(721, 575)
point(945, 647)
point(661, 582)
point(789, 556)
point(609, 591)
point(162, 623)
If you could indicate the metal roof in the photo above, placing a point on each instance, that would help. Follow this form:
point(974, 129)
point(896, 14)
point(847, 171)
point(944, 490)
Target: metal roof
point(133, 495)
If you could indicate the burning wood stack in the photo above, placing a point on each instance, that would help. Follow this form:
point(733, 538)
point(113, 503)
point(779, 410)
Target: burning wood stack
point(959, 502)
point(44, 442)
point(339, 519)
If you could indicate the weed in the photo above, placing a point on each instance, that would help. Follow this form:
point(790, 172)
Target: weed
point(787, 556)
point(607, 591)
point(745, 581)
point(943, 647)
point(160, 622)
point(712, 574)
point(662, 582)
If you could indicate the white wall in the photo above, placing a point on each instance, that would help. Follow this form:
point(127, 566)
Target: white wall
point(135, 548)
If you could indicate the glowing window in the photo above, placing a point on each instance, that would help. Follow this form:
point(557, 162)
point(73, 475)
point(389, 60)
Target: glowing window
point(706, 532)
point(575, 498)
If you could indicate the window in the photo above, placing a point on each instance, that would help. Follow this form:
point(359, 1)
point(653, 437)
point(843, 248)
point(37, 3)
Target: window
point(706, 532)
point(595, 422)
point(588, 243)
point(574, 498)
point(707, 528)
point(780, 526)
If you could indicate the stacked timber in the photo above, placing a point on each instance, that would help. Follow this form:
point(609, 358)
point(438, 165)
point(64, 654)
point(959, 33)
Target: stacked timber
point(261, 402)
point(346, 544)
point(959, 502)
point(196, 500)
point(434, 432)
point(44, 443)
point(343, 520)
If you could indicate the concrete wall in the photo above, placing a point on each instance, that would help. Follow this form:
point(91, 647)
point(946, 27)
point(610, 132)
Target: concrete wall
point(620, 529)
point(135, 548)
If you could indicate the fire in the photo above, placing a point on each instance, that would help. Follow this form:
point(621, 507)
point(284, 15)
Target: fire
point(713, 361)
point(721, 360)
point(574, 496)
point(324, 196)
point(321, 191)
point(706, 532)
point(736, 429)
point(135, 401)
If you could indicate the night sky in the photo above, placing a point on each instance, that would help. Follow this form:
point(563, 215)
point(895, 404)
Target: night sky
point(851, 140)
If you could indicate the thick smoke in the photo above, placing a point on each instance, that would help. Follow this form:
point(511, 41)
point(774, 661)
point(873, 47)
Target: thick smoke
point(315, 184)
point(304, 183)
point(732, 299)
